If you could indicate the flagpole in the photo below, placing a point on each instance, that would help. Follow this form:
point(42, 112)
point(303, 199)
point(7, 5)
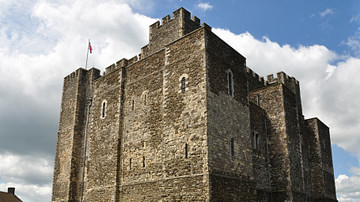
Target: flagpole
point(87, 54)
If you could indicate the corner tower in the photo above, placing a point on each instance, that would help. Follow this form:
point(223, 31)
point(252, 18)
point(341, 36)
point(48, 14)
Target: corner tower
point(68, 171)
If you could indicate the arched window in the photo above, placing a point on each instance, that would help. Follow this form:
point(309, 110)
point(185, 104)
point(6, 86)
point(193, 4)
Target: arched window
point(144, 162)
point(232, 147)
point(144, 97)
point(255, 140)
point(103, 109)
point(183, 84)
point(230, 83)
point(133, 105)
point(130, 163)
point(186, 151)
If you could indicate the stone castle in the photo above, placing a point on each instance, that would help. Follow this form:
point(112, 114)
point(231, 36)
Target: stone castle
point(187, 120)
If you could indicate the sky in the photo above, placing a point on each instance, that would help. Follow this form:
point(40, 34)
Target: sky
point(42, 41)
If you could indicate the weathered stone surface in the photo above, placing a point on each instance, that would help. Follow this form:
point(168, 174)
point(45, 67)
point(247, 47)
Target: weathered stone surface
point(188, 121)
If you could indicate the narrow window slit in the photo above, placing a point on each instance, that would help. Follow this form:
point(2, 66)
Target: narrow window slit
point(230, 83)
point(103, 111)
point(232, 147)
point(183, 85)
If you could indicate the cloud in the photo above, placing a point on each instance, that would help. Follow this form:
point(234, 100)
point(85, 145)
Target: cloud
point(328, 11)
point(348, 188)
point(28, 174)
point(29, 192)
point(330, 93)
point(355, 19)
point(353, 42)
point(204, 6)
point(40, 43)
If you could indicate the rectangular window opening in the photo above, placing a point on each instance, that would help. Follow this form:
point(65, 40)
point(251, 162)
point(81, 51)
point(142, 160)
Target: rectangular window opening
point(232, 147)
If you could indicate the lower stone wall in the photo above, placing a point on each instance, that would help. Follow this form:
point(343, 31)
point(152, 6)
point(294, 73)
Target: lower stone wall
point(262, 196)
point(101, 194)
point(191, 188)
point(231, 189)
point(297, 196)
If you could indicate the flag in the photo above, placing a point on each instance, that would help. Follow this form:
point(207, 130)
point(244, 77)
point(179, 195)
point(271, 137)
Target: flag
point(90, 48)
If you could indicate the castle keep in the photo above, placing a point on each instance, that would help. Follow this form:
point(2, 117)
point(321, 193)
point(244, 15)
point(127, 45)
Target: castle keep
point(187, 120)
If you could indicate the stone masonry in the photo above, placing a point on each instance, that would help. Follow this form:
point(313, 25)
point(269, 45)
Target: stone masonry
point(187, 120)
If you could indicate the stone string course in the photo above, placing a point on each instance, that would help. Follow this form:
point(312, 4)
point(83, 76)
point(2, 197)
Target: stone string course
point(162, 126)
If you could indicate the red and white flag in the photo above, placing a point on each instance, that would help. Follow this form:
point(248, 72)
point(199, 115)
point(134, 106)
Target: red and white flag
point(90, 48)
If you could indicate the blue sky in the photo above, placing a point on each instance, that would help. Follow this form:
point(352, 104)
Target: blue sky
point(42, 41)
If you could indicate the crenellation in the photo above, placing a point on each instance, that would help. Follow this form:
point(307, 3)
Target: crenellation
point(122, 63)
point(196, 20)
point(133, 60)
point(206, 26)
point(172, 124)
point(288, 81)
point(270, 79)
point(110, 68)
point(254, 80)
point(165, 19)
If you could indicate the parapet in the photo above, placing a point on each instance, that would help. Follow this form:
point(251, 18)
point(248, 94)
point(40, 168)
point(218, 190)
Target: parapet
point(121, 64)
point(180, 15)
point(255, 81)
point(290, 82)
point(92, 73)
point(169, 30)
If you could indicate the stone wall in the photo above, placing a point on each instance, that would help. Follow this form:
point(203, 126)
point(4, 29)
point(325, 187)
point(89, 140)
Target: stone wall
point(260, 147)
point(323, 185)
point(164, 127)
point(104, 139)
point(73, 115)
point(271, 100)
point(230, 154)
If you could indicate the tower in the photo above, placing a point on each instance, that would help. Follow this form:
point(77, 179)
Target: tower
point(186, 120)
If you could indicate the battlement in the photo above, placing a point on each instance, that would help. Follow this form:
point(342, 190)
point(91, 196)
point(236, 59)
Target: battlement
point(121, 64)
point(255, 79)
point(282, 77)
point(169, 30)
point(93, 73)
point(180, 15)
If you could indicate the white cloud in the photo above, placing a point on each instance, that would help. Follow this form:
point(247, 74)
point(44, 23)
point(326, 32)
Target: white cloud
point(25, 169)
point(28, 174)
point(348, 188)
point(34, 60)
point(353, 42)
point(328, 11)
point(204, 6)
point(29, 192)
point(329, 90)
point(355, 19)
